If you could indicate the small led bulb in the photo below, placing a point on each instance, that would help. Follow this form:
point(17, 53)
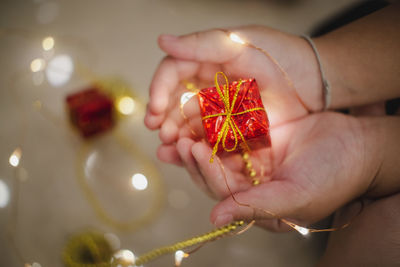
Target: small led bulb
point(236, 39)
point(186, 97)
point(15, 157)
point(179, 255)
point(302, 230)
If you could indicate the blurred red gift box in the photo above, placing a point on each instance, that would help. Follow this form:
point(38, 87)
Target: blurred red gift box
point(90, 111)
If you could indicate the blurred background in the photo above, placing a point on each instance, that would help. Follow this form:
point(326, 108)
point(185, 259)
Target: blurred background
point(54, 184)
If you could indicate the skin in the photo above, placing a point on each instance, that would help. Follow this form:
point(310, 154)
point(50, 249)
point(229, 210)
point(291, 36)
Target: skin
point(361, 59)
point(321, 160)
point(378, 229)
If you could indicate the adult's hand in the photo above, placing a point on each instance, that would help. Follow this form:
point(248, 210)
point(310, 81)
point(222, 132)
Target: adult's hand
point(321, 162)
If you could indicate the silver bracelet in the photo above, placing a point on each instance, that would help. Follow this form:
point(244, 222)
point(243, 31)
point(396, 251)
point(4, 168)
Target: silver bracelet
point(326, 86)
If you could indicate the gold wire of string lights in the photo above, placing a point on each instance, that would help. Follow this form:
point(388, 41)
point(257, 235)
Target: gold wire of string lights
point(126, 104)
point(195, 243)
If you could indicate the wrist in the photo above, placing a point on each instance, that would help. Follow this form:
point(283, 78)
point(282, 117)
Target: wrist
point(383, 148)
point(308, 79)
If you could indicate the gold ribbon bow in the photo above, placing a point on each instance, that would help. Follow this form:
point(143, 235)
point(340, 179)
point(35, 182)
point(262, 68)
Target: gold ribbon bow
point(229, 123)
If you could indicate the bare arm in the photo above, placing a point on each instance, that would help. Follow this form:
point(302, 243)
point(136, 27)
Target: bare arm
point(362, 59)
point(383, 141)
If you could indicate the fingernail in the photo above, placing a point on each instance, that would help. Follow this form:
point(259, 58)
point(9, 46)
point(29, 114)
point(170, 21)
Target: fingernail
point(223, 219)
point(168, 37)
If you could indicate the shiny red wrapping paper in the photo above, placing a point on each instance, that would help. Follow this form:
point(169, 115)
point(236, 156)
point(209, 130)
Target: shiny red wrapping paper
point(253, 125)
point(90, 111)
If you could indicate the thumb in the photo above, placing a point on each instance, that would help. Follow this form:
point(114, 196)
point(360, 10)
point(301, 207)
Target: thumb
point(274, 199)
point(212, 46)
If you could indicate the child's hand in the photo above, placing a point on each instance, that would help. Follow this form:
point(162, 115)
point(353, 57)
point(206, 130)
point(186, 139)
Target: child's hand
point(199, 56)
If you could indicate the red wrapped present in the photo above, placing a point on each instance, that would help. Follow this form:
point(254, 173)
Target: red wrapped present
point(234, 116)
point(90, 111)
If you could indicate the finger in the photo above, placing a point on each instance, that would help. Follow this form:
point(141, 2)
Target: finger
point(213, 174)
point(212, 46)
point(376, 109)
point(176, 120)
point(193, 121)
point(166, 79)
point(184, 147)
point(153, 121)
point(169, 154)
point(274, 225)
point(169, 132)
point(275, 199)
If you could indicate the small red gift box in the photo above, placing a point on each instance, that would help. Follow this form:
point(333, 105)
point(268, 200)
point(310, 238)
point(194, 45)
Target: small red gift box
point(234, 116)
point(90, 111)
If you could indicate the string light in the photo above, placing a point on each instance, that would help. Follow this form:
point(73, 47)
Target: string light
point(38, 64)
point(229, 229)
point(126, 105)
point(186, 97)
point(15, 157)
point(302, 230)
point(4, 194)
point(236, 39)
point(139, 181)
point(179, 255)
point(158, 197)
point(125, 255)
point(59, 70)
point(48, 43)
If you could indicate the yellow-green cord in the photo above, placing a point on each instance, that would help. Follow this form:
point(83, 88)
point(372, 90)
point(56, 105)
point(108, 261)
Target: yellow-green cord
point(219, 232)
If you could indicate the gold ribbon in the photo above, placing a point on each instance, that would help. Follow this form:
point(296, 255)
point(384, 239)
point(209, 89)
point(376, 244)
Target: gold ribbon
point(229, 123)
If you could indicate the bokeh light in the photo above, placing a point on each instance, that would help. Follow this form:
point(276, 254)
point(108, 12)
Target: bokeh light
point(123, 258)
point(48, 43)
point(139, 181)
point(37, 64)
point(15, 157)
point(59, 70)
point(126, 105)
point(4, 194)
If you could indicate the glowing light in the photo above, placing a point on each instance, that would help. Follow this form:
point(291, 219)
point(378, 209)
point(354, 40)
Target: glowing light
point(48, 43)
point(302, 230)
point(35, 264)
point(126, 105)
point(37, 64)
point(179, 255)
point(124, 258)
point(236, 39)
point(139, 181)
point(4, 194)
point(59, 70)
point(128, 255)
point(186, 97)
point(15, 157)
point(90, 162)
